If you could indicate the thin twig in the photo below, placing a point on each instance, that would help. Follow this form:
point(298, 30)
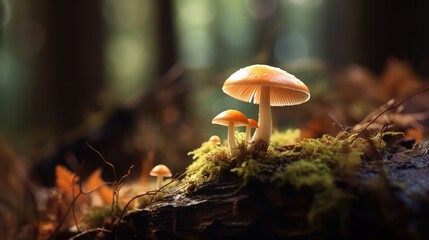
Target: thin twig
point(64, 217)
point(73, 206)
point(90, 231)
point(105, 161)
point(154, 192)
point(394, 105)
point(336, 121)
point(97, 188)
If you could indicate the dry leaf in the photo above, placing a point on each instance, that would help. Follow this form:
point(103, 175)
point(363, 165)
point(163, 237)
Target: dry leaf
point(66, 181)
point(414, 133)
point(95, 181)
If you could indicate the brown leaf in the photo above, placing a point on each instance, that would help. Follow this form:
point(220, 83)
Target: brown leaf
point(95, 181)
point(66, 181)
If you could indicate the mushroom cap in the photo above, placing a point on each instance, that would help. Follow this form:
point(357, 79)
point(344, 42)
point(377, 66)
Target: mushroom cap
point(245, 84)
point(160, 170)
point(215, 139)
point(253, 123)
point(227, 116)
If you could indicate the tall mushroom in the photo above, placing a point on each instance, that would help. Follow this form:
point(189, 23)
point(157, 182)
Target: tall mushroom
point(231, 118)
point(252, 124)
point(267, 86)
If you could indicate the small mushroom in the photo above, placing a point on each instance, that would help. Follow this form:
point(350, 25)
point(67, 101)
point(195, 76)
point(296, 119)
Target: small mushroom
point(252, 124)
point(267, 86)
point(160, 171)
point(215, 139)
point(231, 118)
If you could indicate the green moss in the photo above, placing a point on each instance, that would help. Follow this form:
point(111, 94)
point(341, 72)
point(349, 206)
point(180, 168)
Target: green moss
point(209, 161)
point(290, 136)
point(310, 163)
point(252, 169)
point(96, 217)
point(168, 186)
point(146, 200)
point(316, 163)
point(317, 176)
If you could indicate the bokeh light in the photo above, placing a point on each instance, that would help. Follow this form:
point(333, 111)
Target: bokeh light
point(5, 12)
point(5, 67)
point(126, 56)
point(261, 9)
point(197, 49)
point(291, 47)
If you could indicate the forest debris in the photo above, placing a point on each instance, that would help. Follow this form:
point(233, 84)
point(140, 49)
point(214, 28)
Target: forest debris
point(17, 206)
point(95, 182)
point(398, 80)
point(413, 133)
point(397, 120)
point(358, 91)
point(66, 181)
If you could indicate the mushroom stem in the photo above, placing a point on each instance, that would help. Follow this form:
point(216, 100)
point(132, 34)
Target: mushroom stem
point(232, 144)
point(159, 180)
point(264, 119)
point(248, 133)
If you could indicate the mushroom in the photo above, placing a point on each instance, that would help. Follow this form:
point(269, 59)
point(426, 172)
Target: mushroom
point(252, 124)
point(160, 171)
point(266, 86)
point(231, 118)
point(215, 139)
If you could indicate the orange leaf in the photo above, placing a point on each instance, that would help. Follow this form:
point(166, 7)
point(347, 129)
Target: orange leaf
point(417, 134)
point(94, 181)
point(64, 181)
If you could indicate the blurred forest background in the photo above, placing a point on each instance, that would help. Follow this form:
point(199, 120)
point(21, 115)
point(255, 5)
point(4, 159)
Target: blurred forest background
point(141, 79)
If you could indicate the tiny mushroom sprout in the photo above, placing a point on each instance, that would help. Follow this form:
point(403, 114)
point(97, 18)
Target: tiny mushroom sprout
point(252, 124)
point(215, 139)
point(267, 86)
point(160, 171)
point(231, 118)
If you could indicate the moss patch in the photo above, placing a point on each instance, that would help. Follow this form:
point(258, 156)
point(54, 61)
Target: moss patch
point(210, 161)
point(96, 217)
point(316, 164)
point(290, 136)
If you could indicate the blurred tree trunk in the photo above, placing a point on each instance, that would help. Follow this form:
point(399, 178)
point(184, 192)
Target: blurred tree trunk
point(165, 106)
point(369, 32)
point(167, 90)
point(70, 73)
point(167, 56)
